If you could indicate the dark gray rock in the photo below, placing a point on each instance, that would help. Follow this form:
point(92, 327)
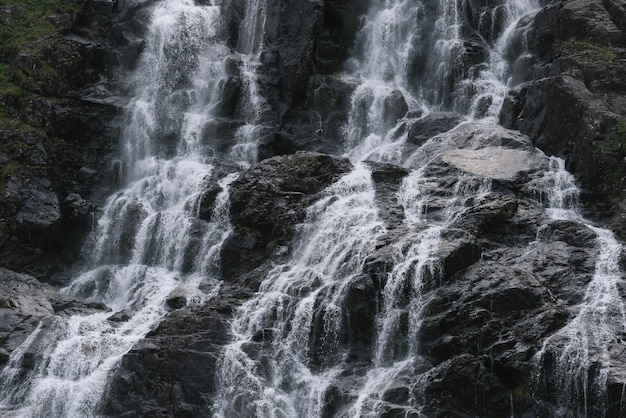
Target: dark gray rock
point(268, 200)
point(78, 211)
point(339, 28)
point(24, 302)
point(49, 138)
point(572, 102)
point(501, 307)
point(302, 39)
point(464, 386)
point(317, 123)
point(430, 125)
point(387, 179)
point(172, 371)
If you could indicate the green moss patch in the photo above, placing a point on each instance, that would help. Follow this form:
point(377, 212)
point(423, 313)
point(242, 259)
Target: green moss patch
point(27, 20)
point(7, 87)
point(615, 144)
point(11, 168)
point(23, 22)
point(590, 50)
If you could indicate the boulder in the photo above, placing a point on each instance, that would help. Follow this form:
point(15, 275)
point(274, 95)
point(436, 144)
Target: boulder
point(172, 371)
point(430, 125)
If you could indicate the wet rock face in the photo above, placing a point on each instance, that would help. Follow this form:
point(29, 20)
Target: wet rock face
point(572, 98)
point(269, 200)
point(303, 41)
point(508, 276)
point(24, 302)
point(317, 122)
point(172, 372)
point(54, 146)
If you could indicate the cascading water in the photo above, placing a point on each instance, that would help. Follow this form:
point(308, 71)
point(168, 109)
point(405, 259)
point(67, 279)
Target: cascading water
point(299, 308)
point(413, 58)
point(149, 241)
point(575, 361)
point(482, 91)
point(291, 352)
point(253, 105)
point(417, 269)
point(289, 355)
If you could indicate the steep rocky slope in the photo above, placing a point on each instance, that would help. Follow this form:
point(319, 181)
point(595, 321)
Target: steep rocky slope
point(508, 276)
point(54, 132)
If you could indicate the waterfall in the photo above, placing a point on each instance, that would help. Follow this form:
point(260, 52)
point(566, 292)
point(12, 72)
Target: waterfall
point(253, 105)
point(299, 311)
point(297, 346)
point(149, 242)
point(574, 362)
point(414, 57)
point(290, 356)
point(417, 269)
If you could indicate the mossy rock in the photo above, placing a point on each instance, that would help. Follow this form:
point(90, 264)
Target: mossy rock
point(588, 51)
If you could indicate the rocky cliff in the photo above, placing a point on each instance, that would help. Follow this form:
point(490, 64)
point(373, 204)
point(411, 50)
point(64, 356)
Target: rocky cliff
point(571, 97)
point(55, 131)
point(497, 294)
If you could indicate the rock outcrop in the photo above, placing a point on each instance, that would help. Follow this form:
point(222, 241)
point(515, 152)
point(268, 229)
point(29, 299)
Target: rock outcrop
point(510, 276)
point(572, 97)
point(25, 302)
point(172, 372)
point(55, 132)
point(268, 201)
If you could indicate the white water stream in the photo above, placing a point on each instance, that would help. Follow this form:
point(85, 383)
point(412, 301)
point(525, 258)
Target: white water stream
point(413, 55)
point(286, 359)
point(149, 241)
point(582, 350)
point(417, 268)
point(300, 305)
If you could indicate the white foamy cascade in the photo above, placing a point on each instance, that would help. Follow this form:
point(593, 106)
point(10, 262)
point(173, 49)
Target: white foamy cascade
point(581, 351)
point(149, 241)
point(481, 93)
point(413, 57)
point(417, 269)
point(253, 104)
point(177, 79)
point(382, 65)
point(296, 321)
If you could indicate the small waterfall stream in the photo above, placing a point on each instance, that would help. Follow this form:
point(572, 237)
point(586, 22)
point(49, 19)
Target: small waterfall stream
point(299, 309)
point(249, 46)
point(413, 58)
point(417, 269)
point(578, 355)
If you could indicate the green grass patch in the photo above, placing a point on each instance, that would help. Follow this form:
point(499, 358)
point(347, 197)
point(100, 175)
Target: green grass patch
point(27, 20)
point(585, 47)
point(616, 143)
point(13, 124)
point(23, 22)
point(7, 87)
point(11, 168)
